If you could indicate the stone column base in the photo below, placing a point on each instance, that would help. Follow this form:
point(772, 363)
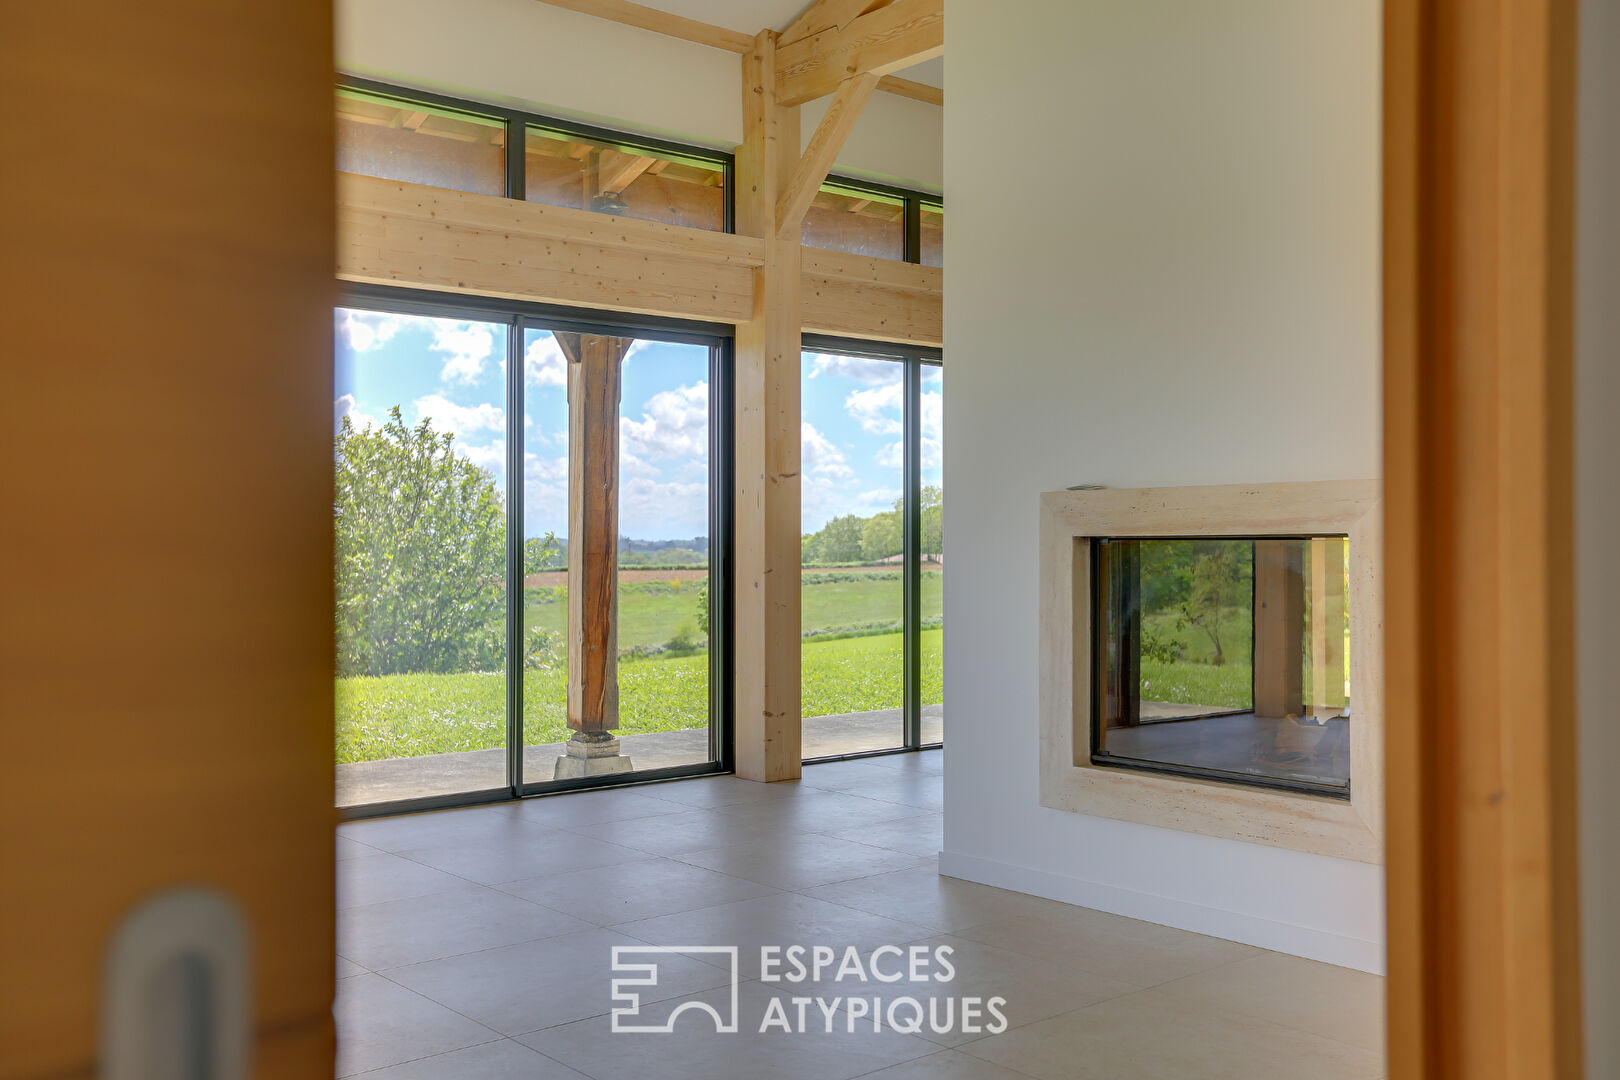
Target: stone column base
point(591, 753)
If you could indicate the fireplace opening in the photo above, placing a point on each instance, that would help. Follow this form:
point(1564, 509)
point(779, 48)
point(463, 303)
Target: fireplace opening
point(1225, 658)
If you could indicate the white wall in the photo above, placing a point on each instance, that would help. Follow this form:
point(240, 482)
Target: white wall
point(531, 55)
point(1597, 512)
point(1163, 270)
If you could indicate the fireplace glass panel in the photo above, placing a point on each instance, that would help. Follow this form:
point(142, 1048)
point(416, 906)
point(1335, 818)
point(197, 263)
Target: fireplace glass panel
point(1225, 658)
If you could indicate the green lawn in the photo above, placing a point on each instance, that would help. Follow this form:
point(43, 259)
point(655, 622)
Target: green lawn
point(654, 612)
point(392, 716)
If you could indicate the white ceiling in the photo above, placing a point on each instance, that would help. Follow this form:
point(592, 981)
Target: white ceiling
point(752, 16)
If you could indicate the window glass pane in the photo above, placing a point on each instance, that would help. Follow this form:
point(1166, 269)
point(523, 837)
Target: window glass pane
point(545, 553)
point(420, 144)
point(852, 598)
point(1227, 658)
point(932, 235)
point(932, 592)
point(649, 401)
point(567, 170)
point(420, 451)
point(863, 223)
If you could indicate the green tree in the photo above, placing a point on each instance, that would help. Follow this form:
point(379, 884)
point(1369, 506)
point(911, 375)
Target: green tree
point(933, 520)
point(881, 536)
point(420, 553)
point(839, 541)
point(1217, 576)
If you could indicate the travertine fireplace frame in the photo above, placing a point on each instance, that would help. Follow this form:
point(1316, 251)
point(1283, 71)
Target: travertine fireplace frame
point(1352, 829)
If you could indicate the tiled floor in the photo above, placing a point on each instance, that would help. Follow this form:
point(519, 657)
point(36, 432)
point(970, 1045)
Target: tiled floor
point(363, 782)
point(476, 944)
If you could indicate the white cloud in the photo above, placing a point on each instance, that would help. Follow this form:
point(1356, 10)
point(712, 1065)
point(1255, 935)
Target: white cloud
point(344, 406)
point(674, 424)
point(819, 457)
point(491, 458)
point(878, 410)
point(467, 345)
point(459, 420)
point(544, 363)
point(631, 465)
point(649, 507)
point(545, 491)
point(858, 368)
point(366, 330)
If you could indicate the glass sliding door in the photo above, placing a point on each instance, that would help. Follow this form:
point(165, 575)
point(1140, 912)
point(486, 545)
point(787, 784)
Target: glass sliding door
point(852, 579)
point(419, 433)
point(931, 551)
point(546, 551)
point(617, 508)
point(528, 597)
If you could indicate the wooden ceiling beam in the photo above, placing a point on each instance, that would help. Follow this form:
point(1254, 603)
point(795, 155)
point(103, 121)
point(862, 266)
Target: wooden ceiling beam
point(897, 36)
point(823, 15)
point(822, 152)
point(715, 37)
point(621, 174)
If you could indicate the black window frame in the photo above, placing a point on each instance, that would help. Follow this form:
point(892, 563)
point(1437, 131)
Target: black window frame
point(518, 316)
point(518, 121)
point(914, 358)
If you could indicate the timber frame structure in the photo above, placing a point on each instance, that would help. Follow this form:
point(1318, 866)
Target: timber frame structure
point(759, 280)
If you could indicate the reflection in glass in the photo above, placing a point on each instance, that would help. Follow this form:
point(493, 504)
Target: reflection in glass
point(931, 235)
point(1225, 658)
point(852, 587)
point(860, 222)
point(420, 144)
point(419, 452)
point(561, 169)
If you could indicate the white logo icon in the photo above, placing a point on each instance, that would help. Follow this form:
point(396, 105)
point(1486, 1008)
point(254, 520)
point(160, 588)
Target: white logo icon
point(646, 974)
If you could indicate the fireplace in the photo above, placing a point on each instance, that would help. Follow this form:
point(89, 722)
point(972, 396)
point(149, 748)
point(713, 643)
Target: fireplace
point(1210, 661)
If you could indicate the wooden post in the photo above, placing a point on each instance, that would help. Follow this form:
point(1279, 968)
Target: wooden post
point(1327, 626)
point(173, 704)
point(766, 602)
point(1279, 628)
point(594, 365)
point(1483, 884)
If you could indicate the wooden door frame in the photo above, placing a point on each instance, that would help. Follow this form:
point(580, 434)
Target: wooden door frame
point(1484, 977)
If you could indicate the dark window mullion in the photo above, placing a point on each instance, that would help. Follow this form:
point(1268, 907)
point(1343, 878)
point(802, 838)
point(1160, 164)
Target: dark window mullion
point(911, 522)
point(515, 540)
point(517, 138)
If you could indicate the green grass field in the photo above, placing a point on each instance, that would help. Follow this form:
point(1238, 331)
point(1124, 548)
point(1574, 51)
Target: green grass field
point(393, 716)
point(652, 613)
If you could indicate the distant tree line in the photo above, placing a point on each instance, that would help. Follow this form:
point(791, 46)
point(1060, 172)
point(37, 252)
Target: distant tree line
point(854, 539)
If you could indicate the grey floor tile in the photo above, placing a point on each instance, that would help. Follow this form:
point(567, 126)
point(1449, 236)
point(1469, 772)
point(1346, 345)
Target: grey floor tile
point(640, 889)
point(1140, 953)
point(693, 1050)
point(511, 854)
point(460, 920)
point(1130, 1037)
point(800, 861)
point(924, 897)
point(380, 877)
point(784, 919)
point(539, 984)
point(503, 1060)
point(382, 1023)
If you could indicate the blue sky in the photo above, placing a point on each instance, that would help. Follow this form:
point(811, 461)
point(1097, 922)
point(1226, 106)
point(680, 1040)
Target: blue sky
point(453, 372)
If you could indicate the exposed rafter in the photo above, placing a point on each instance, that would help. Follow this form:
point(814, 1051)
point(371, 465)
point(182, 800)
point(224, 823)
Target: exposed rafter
point(822, 152)
point(823, 15)
point(716, 37)
point(893, 37)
